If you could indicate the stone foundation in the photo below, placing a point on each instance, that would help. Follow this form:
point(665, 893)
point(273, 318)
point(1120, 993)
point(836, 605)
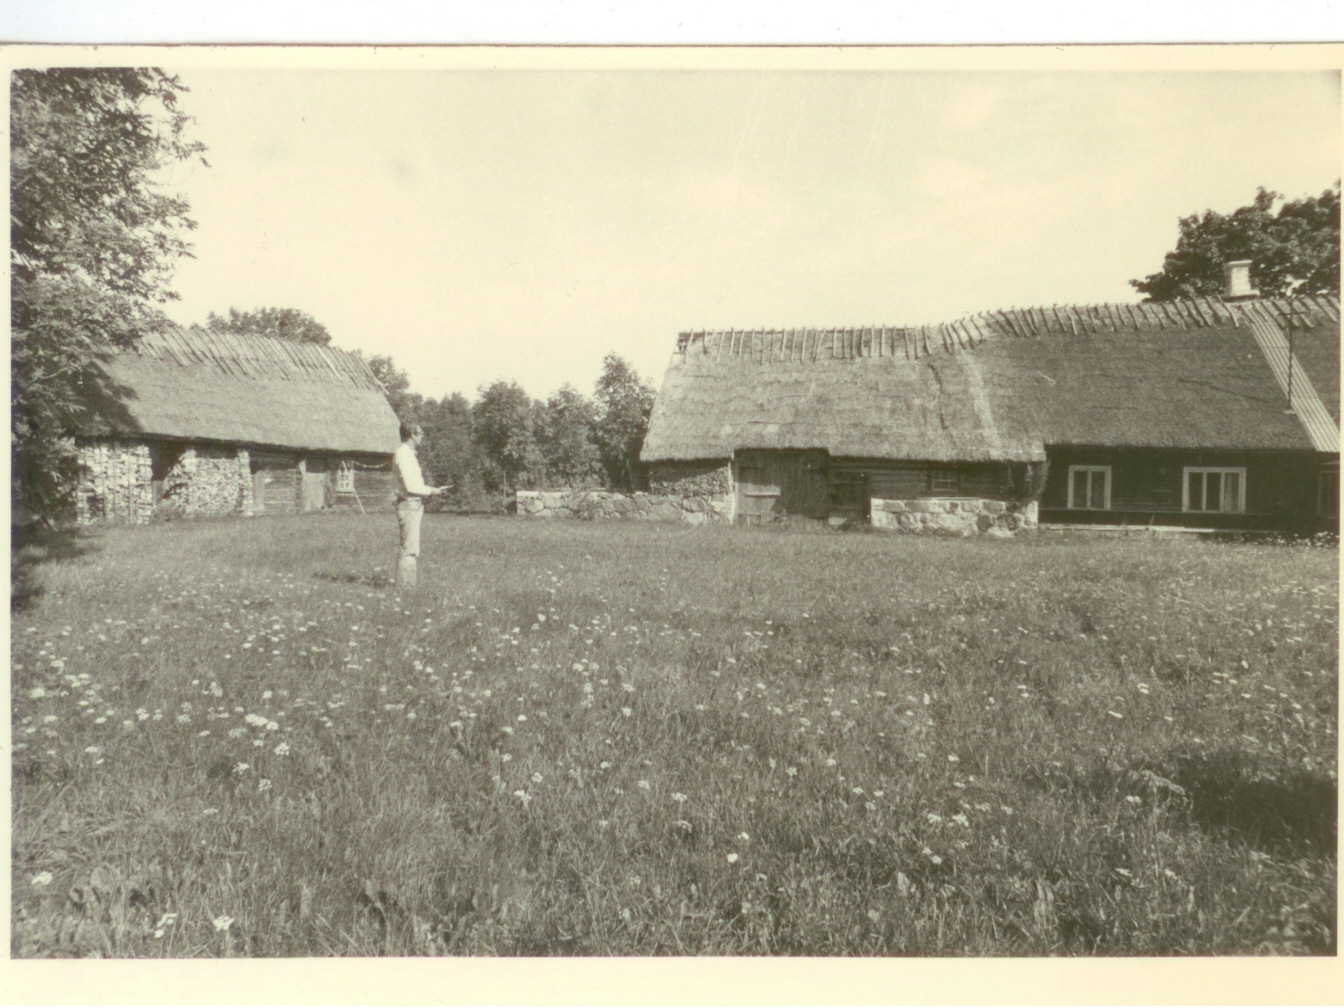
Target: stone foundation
point(699, 509)
point(953, 516)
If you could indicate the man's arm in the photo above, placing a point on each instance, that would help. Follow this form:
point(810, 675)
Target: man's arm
point(408, 468)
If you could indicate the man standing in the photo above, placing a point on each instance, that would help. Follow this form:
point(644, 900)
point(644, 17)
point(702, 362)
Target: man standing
point(411, 494)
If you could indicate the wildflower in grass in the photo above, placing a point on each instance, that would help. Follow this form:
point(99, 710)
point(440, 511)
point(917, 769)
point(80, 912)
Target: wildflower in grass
point(744, 837)
point(522, 717)
point(643, 785)
point(222, 923)
point(93, 750)
point(1114, 714)
point(953, 758)
point(933, 817)
point(626, 711)
point(960, 819)
point(678, 797)
point(536, 778)
point(1134, 799)
point(42, 879)
point(263, 785)
point(282, 749)
point(732, 859)
point(522, 796)
point(791, 771)
point(505, 757)
point(241, 768)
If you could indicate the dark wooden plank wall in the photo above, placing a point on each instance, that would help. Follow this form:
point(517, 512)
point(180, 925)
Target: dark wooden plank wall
point(1149, 480)
point(908, 480)
point(276, 487)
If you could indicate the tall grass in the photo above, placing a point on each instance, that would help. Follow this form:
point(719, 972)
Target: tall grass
point(233, 739)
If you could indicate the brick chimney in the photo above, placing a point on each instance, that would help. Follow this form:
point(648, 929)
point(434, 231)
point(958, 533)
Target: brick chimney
point(1237, 281)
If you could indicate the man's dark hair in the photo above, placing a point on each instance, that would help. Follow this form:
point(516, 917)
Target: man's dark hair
point(410, 430)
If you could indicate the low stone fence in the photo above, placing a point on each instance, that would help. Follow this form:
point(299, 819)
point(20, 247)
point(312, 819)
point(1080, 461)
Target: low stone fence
point(957, 516)
point(592, 504)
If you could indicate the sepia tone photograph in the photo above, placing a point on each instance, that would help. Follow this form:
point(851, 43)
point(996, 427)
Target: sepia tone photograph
point(669, 503)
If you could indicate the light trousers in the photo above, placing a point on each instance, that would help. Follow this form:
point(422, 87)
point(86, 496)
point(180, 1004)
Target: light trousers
point(409, 513)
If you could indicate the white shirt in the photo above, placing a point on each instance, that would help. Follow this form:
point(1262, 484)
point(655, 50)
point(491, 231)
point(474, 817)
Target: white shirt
point(406, 467)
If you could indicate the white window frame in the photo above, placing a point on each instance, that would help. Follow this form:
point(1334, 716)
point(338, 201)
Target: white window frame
point(1106, 491)
point(950, 480)
point(1241, 489)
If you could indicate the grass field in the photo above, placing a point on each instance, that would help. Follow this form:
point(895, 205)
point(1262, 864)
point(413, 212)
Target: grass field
point(233, 739)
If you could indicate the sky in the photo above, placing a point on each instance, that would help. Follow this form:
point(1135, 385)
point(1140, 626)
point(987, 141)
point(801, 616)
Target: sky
point(485, 224)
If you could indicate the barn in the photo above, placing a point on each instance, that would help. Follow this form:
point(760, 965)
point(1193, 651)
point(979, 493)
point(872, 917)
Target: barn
point(207, 423)
point(1208, 414)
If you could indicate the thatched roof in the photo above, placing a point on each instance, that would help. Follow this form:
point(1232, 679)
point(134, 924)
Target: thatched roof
point(1003, 385)
point(195, 384)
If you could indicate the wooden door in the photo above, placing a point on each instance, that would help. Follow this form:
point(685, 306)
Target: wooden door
point(275, 483)
point(315, 478)
point(775, 485)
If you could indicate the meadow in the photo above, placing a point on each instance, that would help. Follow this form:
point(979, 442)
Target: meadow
point(233, 738)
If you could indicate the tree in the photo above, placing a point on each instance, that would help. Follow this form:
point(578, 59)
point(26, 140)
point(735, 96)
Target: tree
point(624, 402)
point(502, 428)
point(396, 383)
point(564, 436)
point(277, 323)
point(1294, 250)
point(93, 241)
point(449, 455)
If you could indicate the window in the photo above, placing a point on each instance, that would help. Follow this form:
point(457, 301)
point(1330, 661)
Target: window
point(345, 479)
point(1090, 488)
point(1214, 489)
point(944, 481)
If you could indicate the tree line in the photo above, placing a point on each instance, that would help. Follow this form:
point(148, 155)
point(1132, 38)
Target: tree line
point(504, 440)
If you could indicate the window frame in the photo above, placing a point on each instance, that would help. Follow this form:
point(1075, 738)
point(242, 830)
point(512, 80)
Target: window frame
point(1240, 471)
point(1106, 491)
point(952, 476)
point(345, 479)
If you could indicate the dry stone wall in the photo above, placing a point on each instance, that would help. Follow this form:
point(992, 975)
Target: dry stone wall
point(696, 509)
point(114, 482)
point(954, 516)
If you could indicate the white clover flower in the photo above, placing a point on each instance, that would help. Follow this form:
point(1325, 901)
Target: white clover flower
point(42, 879)
point(536, 778)
point(732, 859)
point(677, 796)
point(626, 711)
point(643, 785)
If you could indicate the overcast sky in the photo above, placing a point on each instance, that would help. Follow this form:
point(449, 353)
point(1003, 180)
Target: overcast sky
point(484, 224)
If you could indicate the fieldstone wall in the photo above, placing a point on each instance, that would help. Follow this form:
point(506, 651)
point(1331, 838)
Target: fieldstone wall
point(698, 509)
point(955, 516)
point(691, 479)
point(210, 481)
point(114, 482)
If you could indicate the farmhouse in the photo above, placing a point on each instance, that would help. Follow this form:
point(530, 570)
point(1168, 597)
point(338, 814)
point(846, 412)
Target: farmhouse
point(202, 422)
point(1214, 414)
